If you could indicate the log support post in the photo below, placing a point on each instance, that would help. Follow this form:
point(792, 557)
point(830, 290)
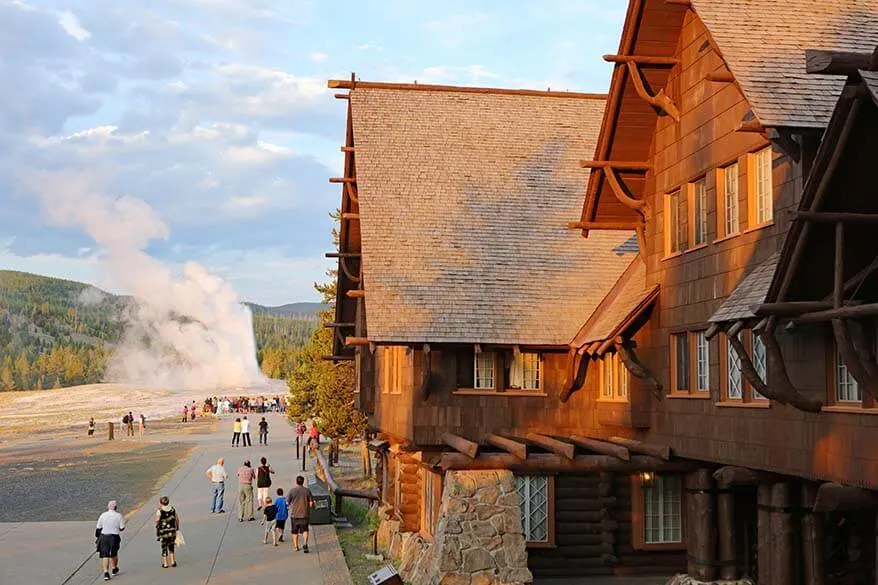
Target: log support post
point(763, 534)
point(781, 528)
point(700, 506)
point(608, 532)
point(725, 512)
point(812, 538)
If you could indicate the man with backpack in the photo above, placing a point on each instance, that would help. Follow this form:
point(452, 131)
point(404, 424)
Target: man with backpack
point(263, 432)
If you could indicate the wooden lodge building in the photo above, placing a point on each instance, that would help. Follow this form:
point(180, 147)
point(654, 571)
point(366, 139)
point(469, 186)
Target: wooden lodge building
point(688, 388)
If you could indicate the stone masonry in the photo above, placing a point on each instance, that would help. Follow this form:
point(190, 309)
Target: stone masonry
point(479, 538)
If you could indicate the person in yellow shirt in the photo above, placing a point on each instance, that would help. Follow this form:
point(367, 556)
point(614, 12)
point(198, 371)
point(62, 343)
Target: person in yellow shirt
point(236, 432)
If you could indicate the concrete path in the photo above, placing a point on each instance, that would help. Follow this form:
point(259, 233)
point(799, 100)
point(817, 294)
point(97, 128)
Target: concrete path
point(219, 549)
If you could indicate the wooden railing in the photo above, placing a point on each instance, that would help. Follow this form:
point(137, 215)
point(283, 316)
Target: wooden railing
point(321, 466)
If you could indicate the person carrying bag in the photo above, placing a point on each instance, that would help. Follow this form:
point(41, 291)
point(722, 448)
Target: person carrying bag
point(167, 531)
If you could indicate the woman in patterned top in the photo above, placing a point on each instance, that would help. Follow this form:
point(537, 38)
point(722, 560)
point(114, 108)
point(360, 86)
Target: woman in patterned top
point(167, 523)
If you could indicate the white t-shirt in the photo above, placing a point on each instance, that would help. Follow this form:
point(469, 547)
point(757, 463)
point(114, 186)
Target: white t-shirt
point(217, 473)
point(245, 426)
point(111, 522)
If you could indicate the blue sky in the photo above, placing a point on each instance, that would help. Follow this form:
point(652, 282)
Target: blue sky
point(216, 112)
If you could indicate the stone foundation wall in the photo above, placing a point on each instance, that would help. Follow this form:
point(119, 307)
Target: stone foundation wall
point(479, 537)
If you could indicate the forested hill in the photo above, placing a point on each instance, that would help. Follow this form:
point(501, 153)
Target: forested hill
point(56, 332)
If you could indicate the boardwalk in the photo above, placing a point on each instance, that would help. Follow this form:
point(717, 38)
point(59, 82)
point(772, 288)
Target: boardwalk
point(219, 550)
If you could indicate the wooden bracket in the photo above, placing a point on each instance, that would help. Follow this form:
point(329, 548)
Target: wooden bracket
point(352, 195)
point(344, 268)
point(637, 205)
point(641, 59)
point(750, 373)
point(858, 360)
point(356, 293)
point(342, 96)
point(519, 450)
point(660, 100)
point(577, 368)
point(638, 369)
point(348, 149)
point(751, 125)
point(350, 216)
point(461, 445)
point(356, 341)
point(720, 77)
point(560, 448)
point(780, 379)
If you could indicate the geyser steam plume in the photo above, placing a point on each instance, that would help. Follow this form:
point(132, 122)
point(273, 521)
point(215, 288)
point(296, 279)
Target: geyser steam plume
point(186, 330)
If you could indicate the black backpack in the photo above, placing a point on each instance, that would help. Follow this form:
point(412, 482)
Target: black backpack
point(125, 420)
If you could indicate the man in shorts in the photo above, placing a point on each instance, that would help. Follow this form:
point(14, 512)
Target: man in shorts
point(108, 531)
point(299, 502)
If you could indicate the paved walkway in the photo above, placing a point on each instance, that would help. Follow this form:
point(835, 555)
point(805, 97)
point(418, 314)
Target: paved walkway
point(219, 549)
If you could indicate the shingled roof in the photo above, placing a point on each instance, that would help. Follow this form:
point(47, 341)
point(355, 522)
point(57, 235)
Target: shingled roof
point(464, 198)
point(764, 42)
point(749, 293)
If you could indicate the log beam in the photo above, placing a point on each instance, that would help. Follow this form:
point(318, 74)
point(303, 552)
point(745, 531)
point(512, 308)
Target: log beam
point(560, 448)
point(790, 308)
point(604, 225)
point(833, 496)
point(846, 312)
point(348, 149)
point(661, 452)
point(515, 448)
point(458, 443)
point(342, 255)
point(686, 3)
point(731, 475)
point(350, 216)
point(751, 125)
point(342, 96)
point(339, 325)
point(720, 77)
point(359, 341)
point(342, 179)
point(547, 462)
point(641, 59)
point(614, 164)
point(837, 217)
point(356, 293)
point(837, 62)
point(712, 331)
point(337, 358)
point(602, 447)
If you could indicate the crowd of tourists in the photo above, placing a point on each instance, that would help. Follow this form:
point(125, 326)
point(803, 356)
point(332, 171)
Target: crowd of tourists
point(247, 404)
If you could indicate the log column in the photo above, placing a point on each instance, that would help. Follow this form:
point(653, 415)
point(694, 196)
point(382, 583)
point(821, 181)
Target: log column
point(725, 512)
point(763, 534)
point(812, 538)
point(700, 510)
point(781, 523)
point(608, 533)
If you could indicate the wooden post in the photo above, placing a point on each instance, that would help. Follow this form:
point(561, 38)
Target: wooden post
point(812, 538)
point(702, 537)
point(364, 455)
point(781, 522)
point(763, 534)
point(725, 511)
point(304, 455)
point(838, 284)
point(110, 432)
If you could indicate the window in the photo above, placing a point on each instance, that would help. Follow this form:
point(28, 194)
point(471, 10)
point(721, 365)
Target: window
point(690, 363)
point(699, 212)
point(680, 362)
point(735, 387)
point(762, 200)
point(662, 510)
point(432, 497)
point(396, 366)
point(702, 363)
point(727, 181)
point(675, 227)
point(734, 380)
point(536, 500)
point(524, 370)
point(846, 387)
point(614, 378)
point(484, 375)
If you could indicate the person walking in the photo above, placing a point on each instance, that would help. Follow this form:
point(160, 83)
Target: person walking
point(246, 475)
point(167, 523)
point(108, 531)
point(142, 425)
point(269, 520)
point(217, 475)
point(283, 513)
point(263, 432)
point(130, 424)
point(245, 432)
point(185, 413)
point(91, 426)
point(236, 432)
point(314, 434)
point(300, 501)
point(263, 481)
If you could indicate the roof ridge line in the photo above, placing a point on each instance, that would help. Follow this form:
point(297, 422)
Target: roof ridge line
point(348, 84)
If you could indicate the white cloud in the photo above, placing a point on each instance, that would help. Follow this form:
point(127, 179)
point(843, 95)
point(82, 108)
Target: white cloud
point(318, 57)
point(70, 23)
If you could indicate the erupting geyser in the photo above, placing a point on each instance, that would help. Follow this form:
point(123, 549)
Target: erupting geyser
point(183, 330)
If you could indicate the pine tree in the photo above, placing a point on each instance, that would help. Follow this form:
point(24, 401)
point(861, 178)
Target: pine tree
point(7, 380)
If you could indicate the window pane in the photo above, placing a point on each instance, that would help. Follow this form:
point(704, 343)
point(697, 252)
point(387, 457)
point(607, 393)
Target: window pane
point(533, 500)
point(702, 363)
point(531, 371)
point(485, 370)
point(607, 389)
point(673, 222)
point(764, 202)
point(759, 363)
point(622, 373)
point(699, 215)
point(730, 177)
point(846, 387)
point(734, 386)
point(682, 361)
point(662, 512)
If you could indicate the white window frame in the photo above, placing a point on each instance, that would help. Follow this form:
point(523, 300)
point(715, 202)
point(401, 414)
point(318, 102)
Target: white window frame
point(527, 487)
point(702, 362)
point(484, 360)
point(731, 213)
point(699, 211)
point(663, 510)
point(531, 364)
point(614, 378)
point(847, 390)
point(763, 196)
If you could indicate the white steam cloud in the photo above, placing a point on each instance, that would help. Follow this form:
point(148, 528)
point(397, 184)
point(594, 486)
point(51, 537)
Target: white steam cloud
point(184, 330)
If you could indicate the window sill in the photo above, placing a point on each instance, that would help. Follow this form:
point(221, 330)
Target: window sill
point(738, 404)
point(612, 401)
point(727, 238)
point(852, 409)
point(660, 546)
point(756, 228)
point(516, 393)
point(687, 396)
point(672, 256)
point(686, 251)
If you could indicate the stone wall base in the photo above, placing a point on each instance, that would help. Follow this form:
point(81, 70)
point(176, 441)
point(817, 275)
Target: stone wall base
point(684, 579)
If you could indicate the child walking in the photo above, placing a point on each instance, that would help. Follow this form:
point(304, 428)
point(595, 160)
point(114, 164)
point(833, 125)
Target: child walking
point(269, 520)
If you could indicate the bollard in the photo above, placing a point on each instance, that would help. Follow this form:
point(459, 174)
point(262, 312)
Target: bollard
point(304, 452)
point(110, 435)
point(297, 447)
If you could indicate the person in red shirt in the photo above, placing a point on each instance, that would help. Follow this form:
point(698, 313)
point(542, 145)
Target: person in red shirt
point(314, 434)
